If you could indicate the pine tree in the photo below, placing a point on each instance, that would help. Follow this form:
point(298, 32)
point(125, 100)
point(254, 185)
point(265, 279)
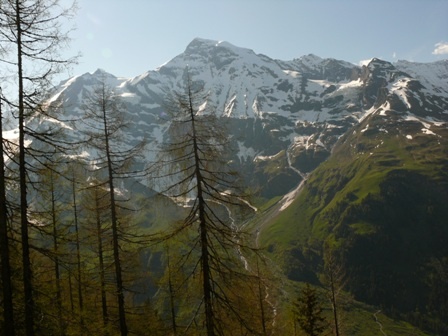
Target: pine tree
point(309, 312)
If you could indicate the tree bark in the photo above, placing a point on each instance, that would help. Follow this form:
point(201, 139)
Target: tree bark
point(57, 273)
point(26, 262)
point(8, 309)
point(78, 251)
point(206, 271)
point(105, 314)
point(114, 219)
point(172, 294)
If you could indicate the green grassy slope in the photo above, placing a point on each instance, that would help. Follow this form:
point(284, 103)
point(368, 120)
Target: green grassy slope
point(380, 204)
point(356, 318)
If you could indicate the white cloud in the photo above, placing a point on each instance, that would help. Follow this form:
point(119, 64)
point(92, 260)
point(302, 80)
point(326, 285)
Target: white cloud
point(394, 55)
point(441, 48)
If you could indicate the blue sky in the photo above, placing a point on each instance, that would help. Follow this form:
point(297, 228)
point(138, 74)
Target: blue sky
point(130, 37)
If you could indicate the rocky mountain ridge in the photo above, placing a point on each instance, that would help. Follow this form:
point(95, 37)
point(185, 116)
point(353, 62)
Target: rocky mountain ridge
point(291, 113)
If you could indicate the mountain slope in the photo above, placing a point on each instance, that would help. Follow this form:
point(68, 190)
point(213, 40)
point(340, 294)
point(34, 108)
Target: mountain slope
point(367, 145)
point(274, 107)
point(379, 203)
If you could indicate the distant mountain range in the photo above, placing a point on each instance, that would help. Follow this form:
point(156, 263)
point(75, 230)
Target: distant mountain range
point(369, 143)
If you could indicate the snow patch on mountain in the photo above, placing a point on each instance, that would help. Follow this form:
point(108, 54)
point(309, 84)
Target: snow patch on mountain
point(410, 117)
point(245, 153)
point(433, 76)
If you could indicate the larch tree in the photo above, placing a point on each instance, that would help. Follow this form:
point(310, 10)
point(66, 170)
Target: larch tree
point(334, 281)
point(95, 204)
point(104, 126)
point(194, 168)
point(48, 214)
point(172, 294)
point(76, 215)
point(30, 30)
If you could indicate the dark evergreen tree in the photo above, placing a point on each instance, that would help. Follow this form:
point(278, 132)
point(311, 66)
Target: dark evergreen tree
point(308, 309)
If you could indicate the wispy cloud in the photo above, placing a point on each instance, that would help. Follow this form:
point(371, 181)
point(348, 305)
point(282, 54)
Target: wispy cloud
point(441, 48)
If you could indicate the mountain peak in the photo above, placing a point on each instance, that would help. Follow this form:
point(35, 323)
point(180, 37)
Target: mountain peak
point(200, 45)
point(200, 42)
point(310, 61)
point(312, 57)
point(102, 73)
point(374, 62)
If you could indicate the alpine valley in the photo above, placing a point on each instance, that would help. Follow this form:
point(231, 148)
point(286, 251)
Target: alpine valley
point(342, 160)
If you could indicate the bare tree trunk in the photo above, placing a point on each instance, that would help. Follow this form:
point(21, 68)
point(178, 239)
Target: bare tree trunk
point(117, 262)
point(260, 300)
point(114, 219)
point(206, 285)
point(172, 295)
point(105, 314)
point(26, 262)
point(206, 271)
point(333, 301)
point(8, 310)
point(78, 251)
point(57, 272)
point(335, 276)
point(70, 289)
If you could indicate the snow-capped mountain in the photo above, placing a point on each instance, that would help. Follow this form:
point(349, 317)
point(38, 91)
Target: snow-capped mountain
point(369, 143)
point(287, 113)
